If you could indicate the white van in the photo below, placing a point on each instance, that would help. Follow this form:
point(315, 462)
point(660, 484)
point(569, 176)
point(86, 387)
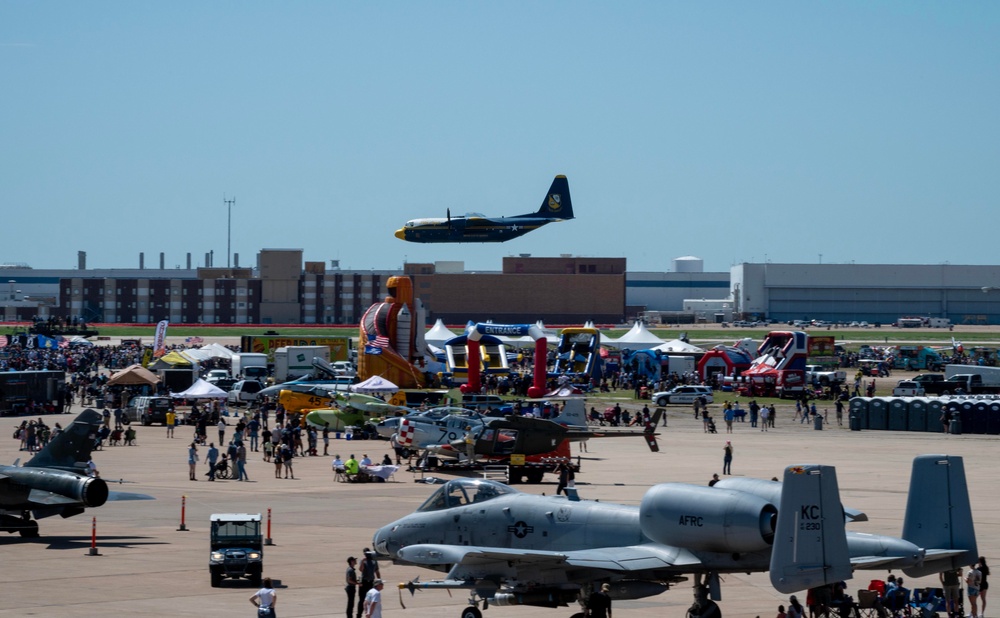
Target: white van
point(244, 391)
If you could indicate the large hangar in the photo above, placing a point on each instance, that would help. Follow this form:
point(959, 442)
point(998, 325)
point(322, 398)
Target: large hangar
point(877, 293)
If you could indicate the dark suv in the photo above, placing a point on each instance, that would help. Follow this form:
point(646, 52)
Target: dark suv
point(237, 548)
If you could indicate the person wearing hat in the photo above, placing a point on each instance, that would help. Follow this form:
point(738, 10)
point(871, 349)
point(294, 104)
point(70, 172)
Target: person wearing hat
point(370, 574)
point(351, 587)
point(599, 603)
point(373, 600)
point(727, 458)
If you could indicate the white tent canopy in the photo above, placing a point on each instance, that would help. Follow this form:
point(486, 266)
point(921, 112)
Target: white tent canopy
point(201, 390)
point(639, 338)
point(217, 350)
point(677, 346)
point(374, 384)
point(438, 334)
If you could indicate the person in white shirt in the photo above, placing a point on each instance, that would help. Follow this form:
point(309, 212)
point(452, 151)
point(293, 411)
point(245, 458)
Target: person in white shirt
point(266, 598)
point(373, 600)
point(365, 461)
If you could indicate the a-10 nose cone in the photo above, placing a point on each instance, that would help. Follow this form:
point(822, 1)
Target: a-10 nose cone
point(381, 541)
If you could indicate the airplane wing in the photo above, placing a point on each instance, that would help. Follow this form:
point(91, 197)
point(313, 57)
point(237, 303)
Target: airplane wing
point(868, 563)
point(47, 498)
point(616, 559)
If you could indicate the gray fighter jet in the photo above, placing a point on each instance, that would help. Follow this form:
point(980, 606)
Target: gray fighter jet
point(55, 480)
point(510, 548)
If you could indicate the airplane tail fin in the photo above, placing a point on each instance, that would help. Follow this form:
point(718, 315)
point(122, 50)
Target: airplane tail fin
point(574, 413)
point(72, 446)
point(810, 542)
point(939, 516)
point(557, 203)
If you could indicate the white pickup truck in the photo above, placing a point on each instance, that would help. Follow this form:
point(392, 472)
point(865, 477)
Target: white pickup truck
point(908, 388)
point(817, 375)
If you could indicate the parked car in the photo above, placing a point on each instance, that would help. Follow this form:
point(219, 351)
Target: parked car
point(215, 375)
point(683, 394)
point(148, 410)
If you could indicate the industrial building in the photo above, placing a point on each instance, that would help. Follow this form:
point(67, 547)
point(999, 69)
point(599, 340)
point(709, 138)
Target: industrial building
point(281, 288)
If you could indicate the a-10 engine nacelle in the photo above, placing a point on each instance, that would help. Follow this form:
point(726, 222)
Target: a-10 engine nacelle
point(707, 518)
point(90, 491)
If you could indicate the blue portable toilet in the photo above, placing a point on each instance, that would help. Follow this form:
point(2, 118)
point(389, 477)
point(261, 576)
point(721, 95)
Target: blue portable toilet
point(878, 414)
point(980, 416)
point(899, 413)
point(918, 414)
point(993, 417)
point(858, 409)
point(966, 407)
point(934, 408)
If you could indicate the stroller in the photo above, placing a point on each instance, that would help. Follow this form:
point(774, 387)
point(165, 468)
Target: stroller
point(711, 425)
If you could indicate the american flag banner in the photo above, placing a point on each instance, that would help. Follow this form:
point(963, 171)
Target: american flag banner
point(379, 341)
point(3, 341)
point(63, 343)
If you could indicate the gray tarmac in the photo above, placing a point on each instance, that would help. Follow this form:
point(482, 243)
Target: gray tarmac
point(147, 567)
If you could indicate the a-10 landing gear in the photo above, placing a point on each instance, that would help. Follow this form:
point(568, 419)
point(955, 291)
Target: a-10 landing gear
point(25, 526)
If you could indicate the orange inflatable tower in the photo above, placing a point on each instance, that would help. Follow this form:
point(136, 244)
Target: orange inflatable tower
point(388, 337)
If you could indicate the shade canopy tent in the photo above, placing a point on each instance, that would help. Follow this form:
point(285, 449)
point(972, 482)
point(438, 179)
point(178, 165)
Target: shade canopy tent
point(374, 384)
point(174, 360)
point(677, 346)
point(438, 334)
point(134, 375)
point(201, 390)
point(639, 338)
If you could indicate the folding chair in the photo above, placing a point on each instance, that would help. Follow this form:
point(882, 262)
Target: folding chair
point(340, 475)
point(868, 604)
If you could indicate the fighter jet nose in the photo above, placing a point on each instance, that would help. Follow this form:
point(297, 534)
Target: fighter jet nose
point(381, 542)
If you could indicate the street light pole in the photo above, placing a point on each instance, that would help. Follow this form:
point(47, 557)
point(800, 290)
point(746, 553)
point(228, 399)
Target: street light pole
point(229, 228)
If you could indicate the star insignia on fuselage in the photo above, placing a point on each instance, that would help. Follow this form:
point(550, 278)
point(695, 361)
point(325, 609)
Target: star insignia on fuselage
point(520, 529)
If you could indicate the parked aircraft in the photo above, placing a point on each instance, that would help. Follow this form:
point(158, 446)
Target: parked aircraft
point(55, 480)
point(509, 548)
point(475, 227)
point(502, 437)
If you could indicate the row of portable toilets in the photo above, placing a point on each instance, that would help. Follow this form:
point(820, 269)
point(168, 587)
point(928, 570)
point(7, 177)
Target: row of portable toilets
point(976, 414)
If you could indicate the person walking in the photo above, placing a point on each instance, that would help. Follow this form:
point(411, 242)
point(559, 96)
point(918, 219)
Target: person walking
point(373, 600)
point(241, 462)
point(211, 459)
point(599, 603)
point(222, 431)
point(265, 600)
point(727, 458)
point(192, 461)
point(351, 585)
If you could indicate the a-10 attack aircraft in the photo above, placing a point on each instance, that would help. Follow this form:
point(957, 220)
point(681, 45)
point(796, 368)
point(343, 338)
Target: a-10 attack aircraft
point(55, 480)
point(510, 548)
point(556, 206)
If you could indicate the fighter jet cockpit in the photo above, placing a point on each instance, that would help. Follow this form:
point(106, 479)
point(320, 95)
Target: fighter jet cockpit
point(459, 492)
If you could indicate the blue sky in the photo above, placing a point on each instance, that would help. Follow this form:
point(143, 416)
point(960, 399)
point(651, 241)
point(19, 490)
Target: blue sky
point(858, 131)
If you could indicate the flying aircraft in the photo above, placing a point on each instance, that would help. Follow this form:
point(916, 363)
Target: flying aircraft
point(475, 227)
point(55, 480)
point(509, 548)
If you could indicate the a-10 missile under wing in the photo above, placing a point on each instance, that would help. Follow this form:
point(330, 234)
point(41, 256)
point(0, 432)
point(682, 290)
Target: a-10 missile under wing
point(510, 548)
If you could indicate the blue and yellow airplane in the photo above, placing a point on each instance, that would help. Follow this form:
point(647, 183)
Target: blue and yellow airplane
point(556, 206)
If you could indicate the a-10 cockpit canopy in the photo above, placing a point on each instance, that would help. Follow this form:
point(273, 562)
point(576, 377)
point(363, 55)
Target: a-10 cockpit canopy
point(460, 492)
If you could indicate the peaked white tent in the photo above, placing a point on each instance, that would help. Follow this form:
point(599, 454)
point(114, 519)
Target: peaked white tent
point(374, 384)
point(201, 390)
point(438, 334)
point(677, 346)
point(639, 338)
